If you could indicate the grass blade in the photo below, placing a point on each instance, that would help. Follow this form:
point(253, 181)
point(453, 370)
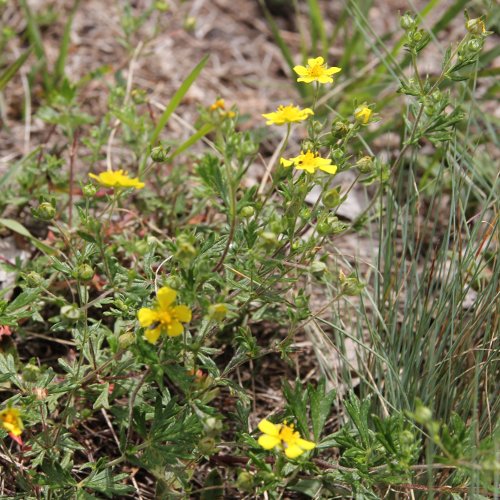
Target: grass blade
point(317, 27)
point(64, 47)
point(35, 38)
point(176, 99)
point(8, 73)
point(285, 51)
point(206, 129)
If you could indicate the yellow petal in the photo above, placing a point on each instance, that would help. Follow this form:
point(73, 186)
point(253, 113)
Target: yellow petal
point(318, 61)
point(268, 442)
point(152, 335)
point(174, 329)
point(306, 445)
point(269, 428)
point(300, 70)
point(307, 167)
point(182, 313)
point(330, 169)
point(293, 451)
point(333, 70)
point(325, 79)
point(166, 296)
point(147, 316)
point(305, 79)
point(286, 163)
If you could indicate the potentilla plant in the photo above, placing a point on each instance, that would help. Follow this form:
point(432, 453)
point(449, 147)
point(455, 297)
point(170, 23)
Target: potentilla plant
point(154, 282)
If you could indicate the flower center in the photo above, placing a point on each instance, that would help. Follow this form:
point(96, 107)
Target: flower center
point(164, 317)
point(287, 435)
point(316, 70)
point(307, 159)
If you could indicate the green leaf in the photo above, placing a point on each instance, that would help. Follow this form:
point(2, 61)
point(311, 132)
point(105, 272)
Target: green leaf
point(321, 403)
point(105, 482)
point(102, 401)
point(308, 487)
point(15, 226)
point(177, 98)
point(20, 229)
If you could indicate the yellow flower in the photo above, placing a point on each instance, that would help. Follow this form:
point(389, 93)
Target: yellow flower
point(310, 162)
point(164, 317)
point(10, 419)
point(117, 179)
point(363, 114)
point(316, 71)
point(283, 436)
point(288, 114)
point(218, 104)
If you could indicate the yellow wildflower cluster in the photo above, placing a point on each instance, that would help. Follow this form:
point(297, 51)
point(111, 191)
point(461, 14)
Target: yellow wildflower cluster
point(117, 179)
point(288, 114)
point(164, 317)
point(310, 162)
point(283, 437)
point(10, 420)
point(220, 106)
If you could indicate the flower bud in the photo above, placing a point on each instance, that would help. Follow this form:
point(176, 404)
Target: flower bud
point(247, 211)
point(317, 126)
point(422, 414)
point(173, 282)
point(33, 279)
point(331, 198)
point(217, 312)
point(244, 481)
point(305, 213)
point(362, 114)
point(318, 268)
point(83, 272)
point(339, 129)
point(159, 154)
point(31, 373)
point(365, 165)
point(45, 211)
point(207, 445)
point(471, 48)
point(350, 285)
point(212, 425)
point(71, 312)
point(475, 26)
point(89, 190)
point(269, 239)
point(308, 145)
point(407, 21)
point(185, 250)
point(138, 96)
